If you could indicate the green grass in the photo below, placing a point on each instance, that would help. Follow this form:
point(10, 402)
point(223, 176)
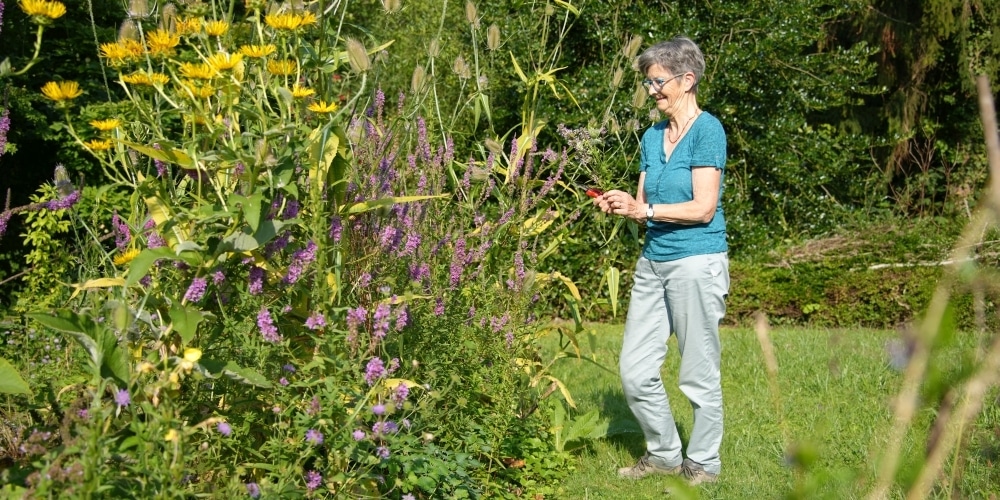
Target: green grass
point(836, 392)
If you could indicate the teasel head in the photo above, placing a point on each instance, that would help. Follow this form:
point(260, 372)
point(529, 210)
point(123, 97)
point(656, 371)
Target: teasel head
point(493, 37)
point(461, 68)
point(418, 80)
point(471, 13)
point(128, 31)
point(168, 17)
point(62, 181)
point(631, 49)
point(434, 49)
point(357, 56)
point(138, 9)
point(391, 6)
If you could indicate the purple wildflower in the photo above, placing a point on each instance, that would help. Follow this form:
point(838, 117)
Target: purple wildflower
point(161, 167)
point(381, 318)
point(224, 429)
point(154, 240)
point(358, 434)
point(400, 394)
point(355, 318)
point(336, 228)
point(378, 409)
point(4, 219)
point(289, 368)
point(253, 490)
point(123, 235)
point(509, 339)
point(291, 209)
point(239, 168)
point(266, 325)
point(5, 117)
point(409, 496)
point(402, 318)
point(382, 452)
point(388, 238)
point(314, 437)
point(300, 260)
point(218, 277)
point(83, 413)
point(122, 398)
point(365, 280)
point(256, 280)
point(68, 201)
point(283, 381)
point(313, 480)
point(393, 366)
point(316, 321)
point(314, 406)
point(438, 306)
point(374, 370)
point(196, 290)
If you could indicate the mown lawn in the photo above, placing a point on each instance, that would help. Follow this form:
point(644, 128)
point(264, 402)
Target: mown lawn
point(836, 391)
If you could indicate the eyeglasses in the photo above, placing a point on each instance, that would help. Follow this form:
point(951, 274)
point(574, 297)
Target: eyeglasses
point(658, 83)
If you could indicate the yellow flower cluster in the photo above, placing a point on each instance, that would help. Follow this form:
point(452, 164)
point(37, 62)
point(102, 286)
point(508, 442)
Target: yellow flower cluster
point(222, 61)
point(290, 21)
point(126, 256)
point(187, 26)
point(98, 144)
point(196, 90)
point(216, 28)
point(283, 67)
point(106, 125)
point(322, 107)
point(198, 71)
point(300, 92)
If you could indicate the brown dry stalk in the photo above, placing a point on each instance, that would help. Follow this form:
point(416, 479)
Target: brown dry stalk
point(907, 401)
point(771, 363)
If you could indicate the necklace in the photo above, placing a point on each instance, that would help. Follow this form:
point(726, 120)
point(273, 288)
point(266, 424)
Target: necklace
point(679, 134)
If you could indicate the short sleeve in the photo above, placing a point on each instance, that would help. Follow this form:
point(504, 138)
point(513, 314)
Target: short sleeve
point(710, 147)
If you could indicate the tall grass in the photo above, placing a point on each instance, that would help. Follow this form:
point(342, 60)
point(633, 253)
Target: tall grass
point(837, 389)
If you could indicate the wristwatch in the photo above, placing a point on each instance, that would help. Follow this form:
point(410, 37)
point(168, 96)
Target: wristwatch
point(649, 211)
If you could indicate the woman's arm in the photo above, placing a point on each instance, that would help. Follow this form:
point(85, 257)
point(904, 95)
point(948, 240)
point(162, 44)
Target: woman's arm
point(705, 183)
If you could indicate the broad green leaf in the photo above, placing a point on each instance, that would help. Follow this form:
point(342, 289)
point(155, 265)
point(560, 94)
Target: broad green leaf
point(171, 155)
point(365, 206)
point(245, 375)
point(563, 390)
point(613, 277)
point(251, 208)
point(96, 283)
point(323, 147)
point(245, 240)
point(129, 443)
point(11, 381)
point(114, 359)
point(184, 319)
point(141, 263)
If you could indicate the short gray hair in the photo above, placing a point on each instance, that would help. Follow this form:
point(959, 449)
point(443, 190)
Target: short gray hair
point(678, 55)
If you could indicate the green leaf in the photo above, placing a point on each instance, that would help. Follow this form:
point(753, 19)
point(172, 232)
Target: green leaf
point(365, 206)
point(185, 319)
point(245, 375)
point(247, 239)
point(141, 263)
point(613, 276)
point(11, 381)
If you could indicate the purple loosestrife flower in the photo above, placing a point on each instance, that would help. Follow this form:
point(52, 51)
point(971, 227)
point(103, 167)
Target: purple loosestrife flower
point(509, 339)
point(400, 394)
point(266, 325)
point(66, 202)
point(253, 490)
point(402, 318)
point(256, 280)
point(314, 406)
point(381, 318)
point(196, 290)
point(316, 321)
point(291, 209)
point(154, 240)
point(314, 437)
point(355, 318)
point(300, 260)
point(365, 280)
point(388, 238)
point(336, 228)
point(438, 306)
point(378, 409)
point(123, 235)
point(358, 434)
point(122, 399)
point(5, 117)
point(374, 370)
point(161, 167)
point(393, 365)
point(224, 429)
point(313, 480)
point(290, 368)
point(278, 244)
point(412, 243)
point(4, 219)
point(218, 277)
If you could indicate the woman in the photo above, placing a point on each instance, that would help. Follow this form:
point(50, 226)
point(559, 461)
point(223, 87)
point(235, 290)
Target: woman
point(682, 277)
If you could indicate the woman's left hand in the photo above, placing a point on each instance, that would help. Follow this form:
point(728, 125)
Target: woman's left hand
point(621, 203)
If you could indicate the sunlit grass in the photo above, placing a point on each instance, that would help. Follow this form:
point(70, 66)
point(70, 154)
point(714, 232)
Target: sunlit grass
point(836, 390)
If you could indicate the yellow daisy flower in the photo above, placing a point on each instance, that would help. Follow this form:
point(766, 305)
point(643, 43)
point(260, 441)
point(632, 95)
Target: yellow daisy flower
point(199, 91)
point(162, 42)
point(198, 71)
point(299, 92)
point(187, 26)
point(216, 28)
point(323, 107)
point(171, 435)
point(257, 51)
point(126, 256)
point(281, 68)
point(99, 144)
point(61, 91)
point(222, 61)
point(289, 21)
point(115, 52)
point(148, 79)
point(106, 125)
point(135, 49)
point(42, 11)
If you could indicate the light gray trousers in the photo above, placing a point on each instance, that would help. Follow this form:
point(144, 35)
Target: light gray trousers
point(685, 296)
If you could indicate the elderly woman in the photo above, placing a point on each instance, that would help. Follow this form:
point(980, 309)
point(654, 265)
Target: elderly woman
point(682, 277)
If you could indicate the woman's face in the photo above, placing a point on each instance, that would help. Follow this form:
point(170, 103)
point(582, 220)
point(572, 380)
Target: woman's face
point(666, 88)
